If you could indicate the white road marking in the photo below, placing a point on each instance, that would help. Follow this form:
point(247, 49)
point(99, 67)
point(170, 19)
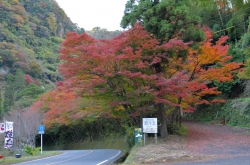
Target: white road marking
point(42, 158)
point(109, 158)
point(70, 159)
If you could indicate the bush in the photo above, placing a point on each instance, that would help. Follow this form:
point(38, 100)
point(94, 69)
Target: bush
point(32, 150)
point(176, 129)
point(129, 137)
point(180, 130)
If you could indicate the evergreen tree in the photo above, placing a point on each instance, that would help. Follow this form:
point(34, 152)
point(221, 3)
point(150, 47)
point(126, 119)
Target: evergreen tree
point(166, 19)
point(19, 82)
point(9, 93)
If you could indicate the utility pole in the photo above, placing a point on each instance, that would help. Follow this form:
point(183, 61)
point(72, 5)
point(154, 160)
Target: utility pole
point(20, 143)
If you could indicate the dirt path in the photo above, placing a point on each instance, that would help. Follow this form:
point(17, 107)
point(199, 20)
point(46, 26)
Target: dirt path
point(217, 144)
point(221, 140)
point(205, 144)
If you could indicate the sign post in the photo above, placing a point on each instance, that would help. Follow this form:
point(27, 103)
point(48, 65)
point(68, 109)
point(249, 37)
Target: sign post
point(150, 126)
point(41, 129)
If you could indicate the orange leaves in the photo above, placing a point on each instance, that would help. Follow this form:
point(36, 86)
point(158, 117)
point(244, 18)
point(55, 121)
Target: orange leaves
point(132, 71)
point(62, 106)
point(209, 63)
point(208, 54)
point(57, 105)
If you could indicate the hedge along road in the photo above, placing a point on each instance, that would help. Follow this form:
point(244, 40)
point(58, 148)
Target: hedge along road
point(219, 144)
point(79, 157)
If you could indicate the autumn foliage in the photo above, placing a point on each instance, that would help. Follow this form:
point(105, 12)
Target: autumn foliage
point(132, 72)
point(210, 63)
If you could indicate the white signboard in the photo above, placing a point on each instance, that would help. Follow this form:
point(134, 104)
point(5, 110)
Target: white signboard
point(8, 134)
point(149, 125)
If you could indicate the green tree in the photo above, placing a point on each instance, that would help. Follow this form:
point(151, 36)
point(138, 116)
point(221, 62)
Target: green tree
point(14, 84)
point(19, 82)
point(166, 19)
point(241, 52)
point(9, 93)
point(35, 69)
point(51, 21)
point(28, 95)
point(224, 17)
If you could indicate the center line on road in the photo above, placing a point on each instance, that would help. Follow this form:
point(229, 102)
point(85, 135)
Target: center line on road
point(70, 159)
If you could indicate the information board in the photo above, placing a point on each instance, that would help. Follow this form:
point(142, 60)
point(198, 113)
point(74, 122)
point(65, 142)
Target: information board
point(149, 125)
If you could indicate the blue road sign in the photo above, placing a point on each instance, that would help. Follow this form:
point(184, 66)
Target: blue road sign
point(41, 128)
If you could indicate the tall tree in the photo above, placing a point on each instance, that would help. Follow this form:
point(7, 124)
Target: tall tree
point(19, 82)
point(9, 93)
point(123, 68)
point(224, 17)
point(166, 19)
point(133, 71)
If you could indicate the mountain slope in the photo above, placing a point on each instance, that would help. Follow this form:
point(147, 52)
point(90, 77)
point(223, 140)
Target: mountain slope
point(30, 35)
point(31, 32)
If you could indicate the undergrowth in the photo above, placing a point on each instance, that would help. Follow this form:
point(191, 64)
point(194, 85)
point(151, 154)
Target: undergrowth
point(236, 112)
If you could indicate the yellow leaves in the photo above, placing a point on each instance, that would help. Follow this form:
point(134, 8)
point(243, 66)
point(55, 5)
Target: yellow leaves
point(85, 76)
point(119, 108)
point(14, 2)
point(17, 20)
point(51, 21)
point(173, 66)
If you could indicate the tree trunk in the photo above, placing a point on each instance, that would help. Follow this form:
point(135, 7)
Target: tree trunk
point(162, 118)
point(177, 113)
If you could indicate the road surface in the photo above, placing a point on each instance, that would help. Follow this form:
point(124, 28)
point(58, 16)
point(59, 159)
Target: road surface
point(79, 157)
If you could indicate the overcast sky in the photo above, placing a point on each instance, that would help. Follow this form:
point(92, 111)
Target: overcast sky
point(92, 13)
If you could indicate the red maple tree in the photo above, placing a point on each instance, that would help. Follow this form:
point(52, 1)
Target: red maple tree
point(136, 74)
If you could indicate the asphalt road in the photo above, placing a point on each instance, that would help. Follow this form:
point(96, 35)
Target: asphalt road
point(79, 157)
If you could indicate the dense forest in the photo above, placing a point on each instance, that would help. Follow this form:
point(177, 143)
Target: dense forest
point(30, 37)
point(174, 58)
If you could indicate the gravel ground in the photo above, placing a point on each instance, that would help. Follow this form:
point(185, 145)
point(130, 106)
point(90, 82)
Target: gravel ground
point(204, 142)
point(217, 140)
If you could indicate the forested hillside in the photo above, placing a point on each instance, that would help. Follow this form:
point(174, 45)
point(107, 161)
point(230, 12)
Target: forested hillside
point(31, 32)
point(175, 57)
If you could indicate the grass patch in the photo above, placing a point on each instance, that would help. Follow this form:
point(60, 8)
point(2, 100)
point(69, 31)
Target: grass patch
point(108, 143)
point(131, 157)
point(25, 157)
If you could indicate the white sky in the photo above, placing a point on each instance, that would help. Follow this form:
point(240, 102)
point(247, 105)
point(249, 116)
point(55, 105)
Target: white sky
point(92, 13)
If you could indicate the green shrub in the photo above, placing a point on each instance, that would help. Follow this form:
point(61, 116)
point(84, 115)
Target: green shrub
point(32, 150)
point(129, 137)
point(180, 130)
